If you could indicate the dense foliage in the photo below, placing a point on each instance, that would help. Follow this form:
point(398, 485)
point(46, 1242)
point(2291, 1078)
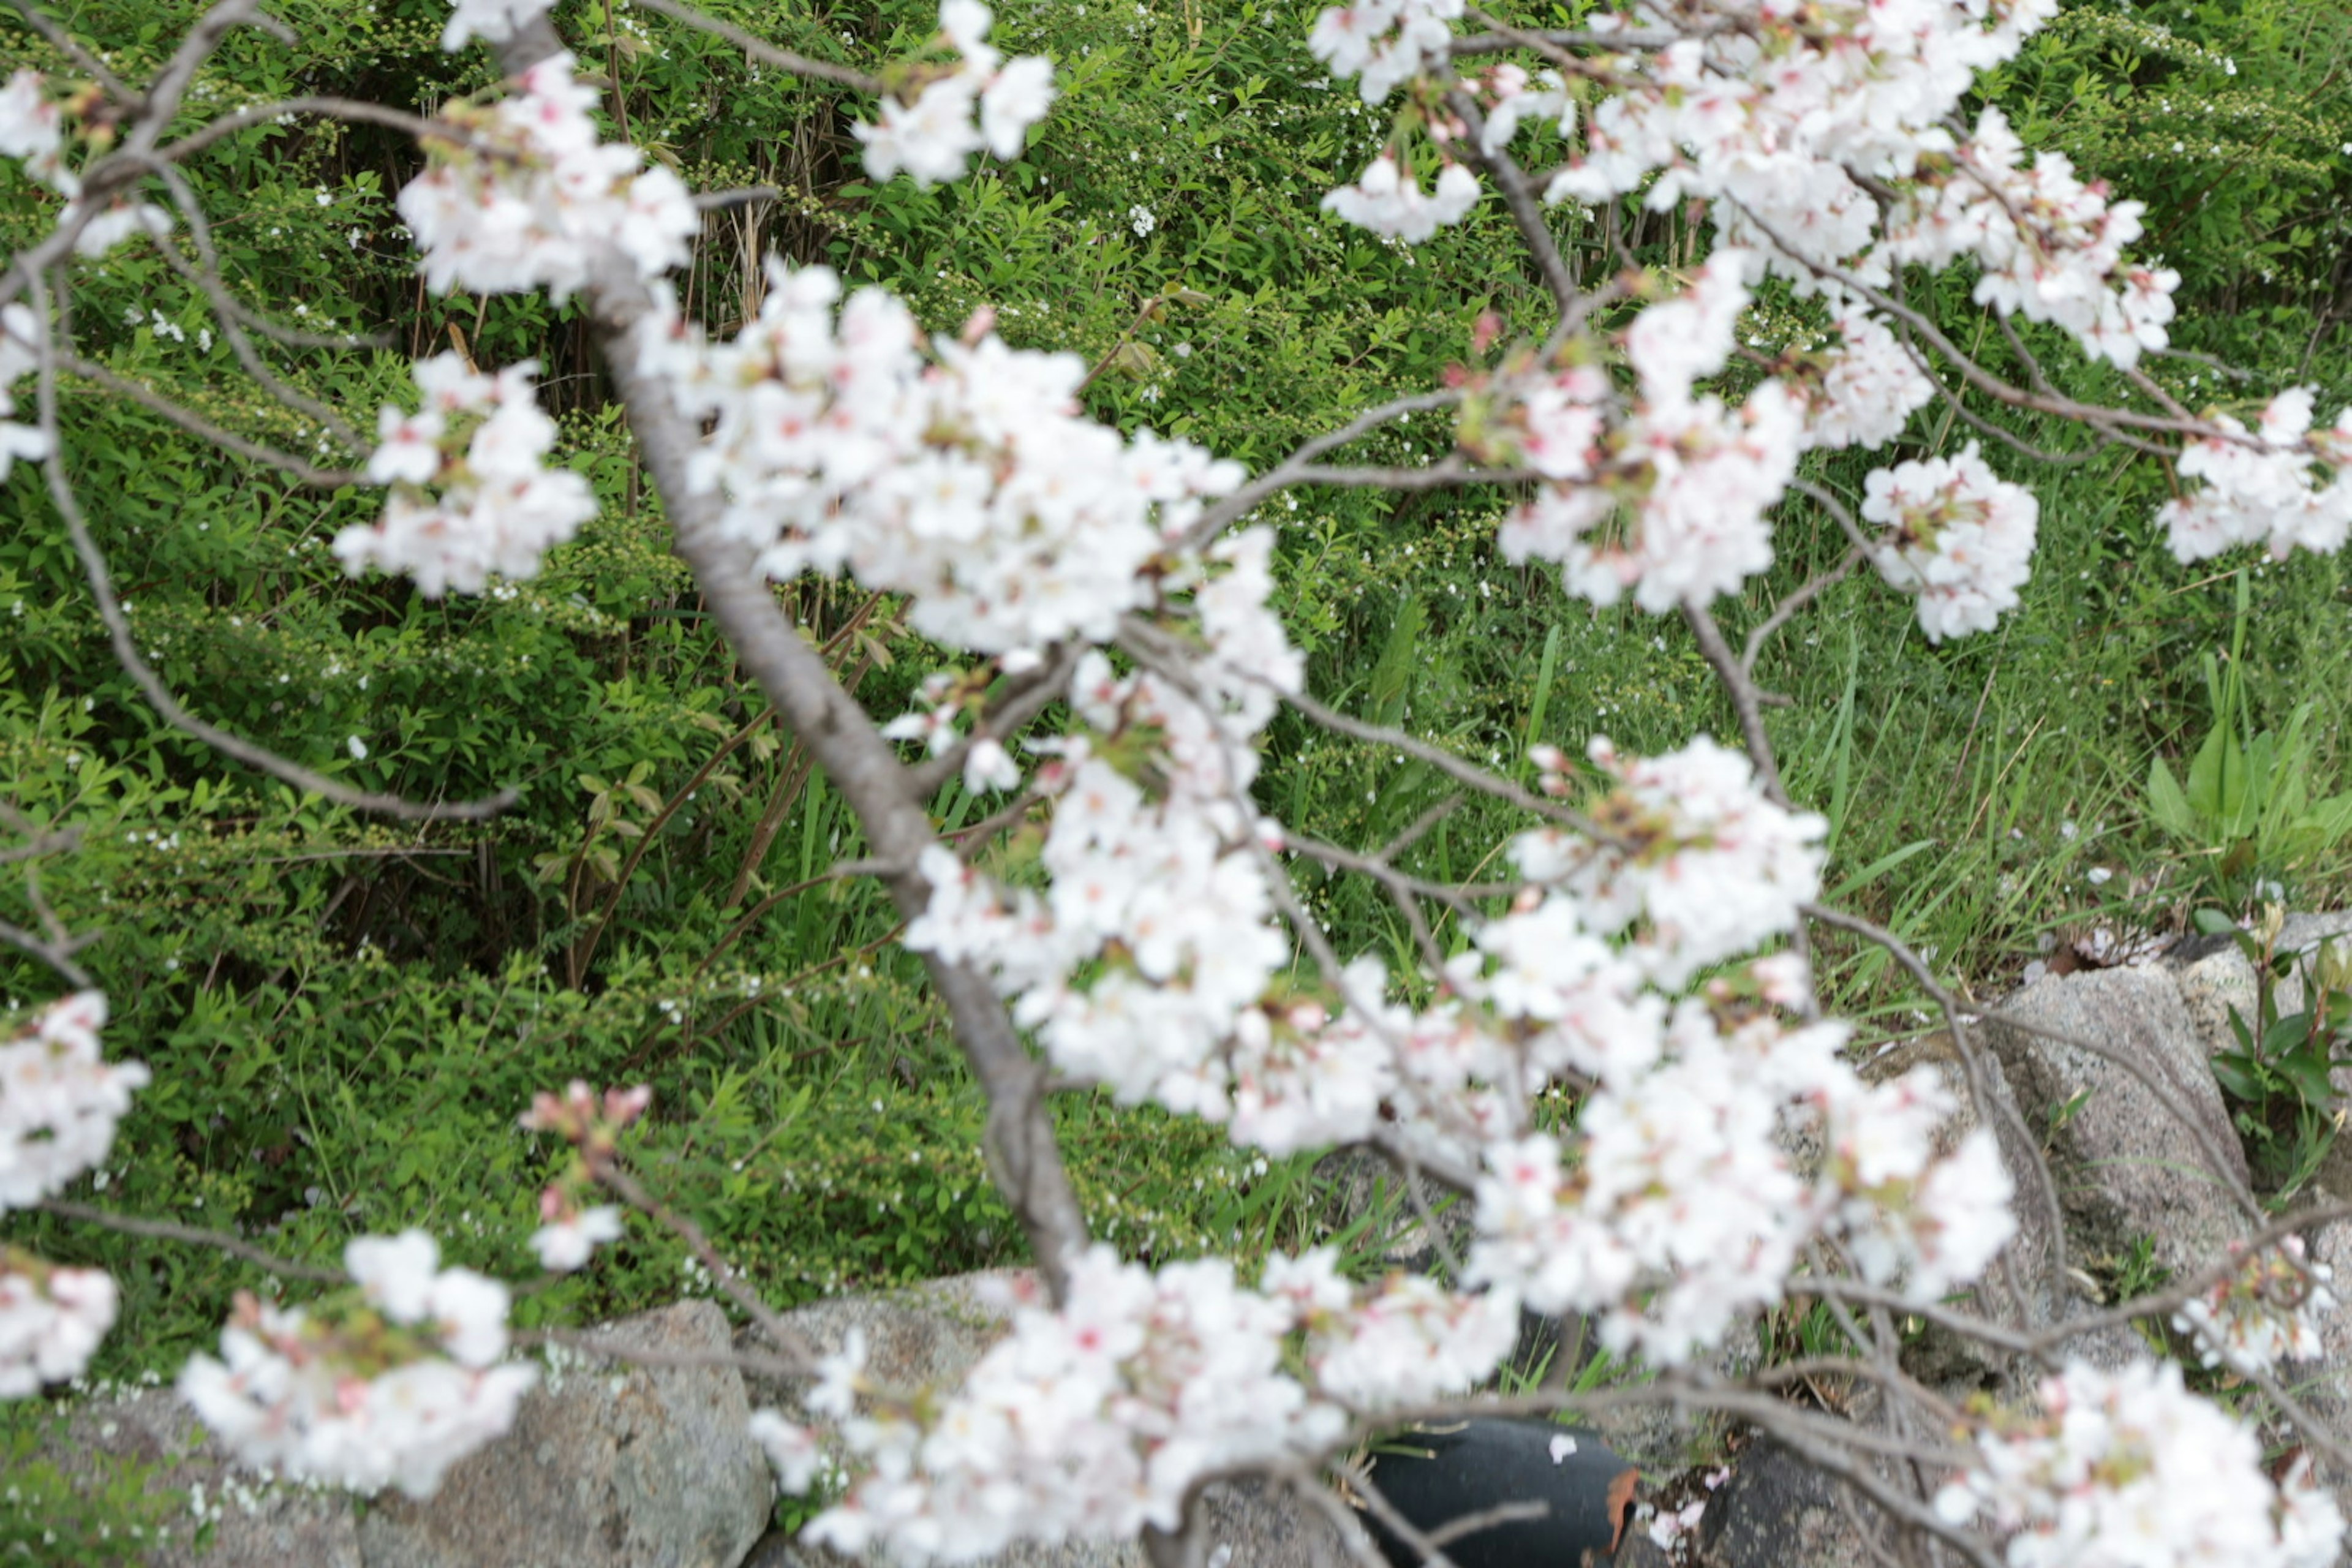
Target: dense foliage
point(341, 1016)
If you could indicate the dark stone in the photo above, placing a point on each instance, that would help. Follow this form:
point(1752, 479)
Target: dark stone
point(1435, 1477)
point(1778, 1512)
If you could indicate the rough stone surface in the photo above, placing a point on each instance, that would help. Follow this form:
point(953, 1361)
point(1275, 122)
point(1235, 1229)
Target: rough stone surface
point(1362, 1182)
point(255, 1524)
point(928, 1333)
point(2126, 1165)
point(1777, 1512)
point(2215, 977)
point(607, 1466)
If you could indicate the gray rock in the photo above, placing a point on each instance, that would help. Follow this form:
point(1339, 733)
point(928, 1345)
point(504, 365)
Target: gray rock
point(2215, 978)
point(2125, 1164)
point(608, 1466)
point(255, 1523)
point(1778, 1512)
point(1361, 1186)
point(925, 1335)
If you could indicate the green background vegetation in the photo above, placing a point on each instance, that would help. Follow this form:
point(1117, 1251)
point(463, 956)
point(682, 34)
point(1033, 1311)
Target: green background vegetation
point(344, 1017)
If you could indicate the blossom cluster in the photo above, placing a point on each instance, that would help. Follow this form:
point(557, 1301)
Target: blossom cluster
point(931, 128)
point(32, 130)
point(59, 1103)
point(2128, 1469)
point(2269, 1310)
point(523, 193)
point(52, 1319)
point(472, 494)
point(1667, 501)
point(1388, 199)
point(1957, 535)
point(1095, 1419)
point(1867, 389)
point(961, 473)
point(2047, 245)
point(1705, 865)
point(389, 1388)
point(2259, 487)
point(1144, 965)
point(1384, 42)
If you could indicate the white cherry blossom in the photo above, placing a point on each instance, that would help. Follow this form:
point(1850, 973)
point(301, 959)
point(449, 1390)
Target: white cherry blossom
point(1957, 535)
point(2128, 1469)
point(59, 1102)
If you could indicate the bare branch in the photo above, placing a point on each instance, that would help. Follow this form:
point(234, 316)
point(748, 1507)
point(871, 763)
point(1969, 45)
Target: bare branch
point(192, 1235)
point(762, 50)
point(1526, 212)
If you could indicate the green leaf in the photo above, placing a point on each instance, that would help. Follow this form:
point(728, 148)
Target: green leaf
point(2168, 805)
point(2241, 1076)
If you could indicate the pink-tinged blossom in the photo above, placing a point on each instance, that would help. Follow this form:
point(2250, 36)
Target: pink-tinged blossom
point(565, 1242)
point(51, 1320)
point(962, 475)
point(1706, 864)
point(32, 131)
point(388, 1388)
point(985, 102)
point(1384, 42)
point(59, 1102)
point(1389, 200)
point(1678, 515)
point(1906, 1214)
point(791, 1448)
point(1095, 1419)
point(2270, 1311)
point(1869, 388)
point(1957, 535)
point(548, 199)
point(494, 21)
point(2262, 486)
point(2048, 246)
point(473, 494)
point(1665, 500)
point(2129, 1469)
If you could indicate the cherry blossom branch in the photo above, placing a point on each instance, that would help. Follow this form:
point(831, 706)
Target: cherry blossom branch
point(1790, 603)
point(192, 1235)
point(57, 956)
point(1526, 212)
point(229, 312)
point(2096, 415)
point(196, 425)
point(1987, 1105)
point(1359, 1481)
point(1733, 671)
point(54, 945)
point(763, 51)
point(327, 106)
point(787, 1339)
point(142, 674)
point(1446, 763)
point(1216, 518)
point(1024, 698)
point(1024, 1158)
